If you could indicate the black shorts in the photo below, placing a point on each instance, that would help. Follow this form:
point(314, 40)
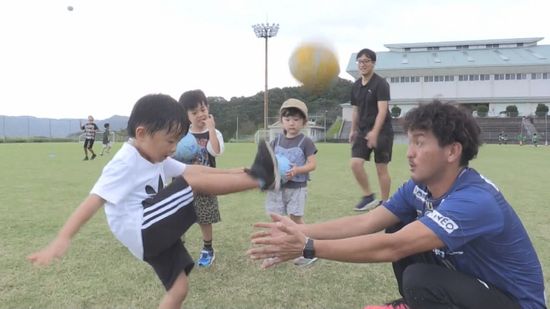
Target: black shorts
point(167, 216)
point(382, 152)
point(88, 143)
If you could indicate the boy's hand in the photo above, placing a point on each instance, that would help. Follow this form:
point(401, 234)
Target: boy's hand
point(292, 172)
point(54, 251)
point(210, 123)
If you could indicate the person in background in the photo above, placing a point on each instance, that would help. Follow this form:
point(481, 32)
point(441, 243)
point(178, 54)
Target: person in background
point(90, 129)
point(371, 129)
point(211, 146)
point(106, 139)
point(300, 152)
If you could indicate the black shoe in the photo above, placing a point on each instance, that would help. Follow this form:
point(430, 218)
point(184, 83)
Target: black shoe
point(93, 156)
point(367, 203)
point(85, 159)
point(264, 168)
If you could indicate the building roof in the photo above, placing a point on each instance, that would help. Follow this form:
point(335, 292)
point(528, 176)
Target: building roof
point(460, 55)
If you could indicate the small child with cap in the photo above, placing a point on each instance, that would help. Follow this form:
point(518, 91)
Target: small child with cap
point(300, 151)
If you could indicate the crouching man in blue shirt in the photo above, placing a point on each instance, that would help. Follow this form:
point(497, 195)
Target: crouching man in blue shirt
point(452, 238)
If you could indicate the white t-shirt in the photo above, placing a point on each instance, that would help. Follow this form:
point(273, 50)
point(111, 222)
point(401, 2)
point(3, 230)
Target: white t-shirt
point(209, 148)
point(122, 185)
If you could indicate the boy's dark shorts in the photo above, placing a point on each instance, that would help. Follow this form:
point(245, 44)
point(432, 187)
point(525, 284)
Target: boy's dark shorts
point(382, 152)
point(167, 216)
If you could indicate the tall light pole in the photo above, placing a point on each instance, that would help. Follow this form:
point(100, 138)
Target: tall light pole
point(265, 31)
point(546, 128)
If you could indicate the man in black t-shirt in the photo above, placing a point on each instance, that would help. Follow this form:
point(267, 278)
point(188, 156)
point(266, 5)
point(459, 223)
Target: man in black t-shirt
point(371, 129)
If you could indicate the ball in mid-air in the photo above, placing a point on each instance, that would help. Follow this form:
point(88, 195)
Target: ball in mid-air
point(315, 65)
point(70, 8)
point(187, 149)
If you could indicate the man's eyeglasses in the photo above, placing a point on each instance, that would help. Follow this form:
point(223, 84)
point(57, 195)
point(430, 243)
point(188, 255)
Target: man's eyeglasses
point(366, 61)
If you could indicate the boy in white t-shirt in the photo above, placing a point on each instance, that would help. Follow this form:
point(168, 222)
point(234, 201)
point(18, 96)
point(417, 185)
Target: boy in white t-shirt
point(143, 214)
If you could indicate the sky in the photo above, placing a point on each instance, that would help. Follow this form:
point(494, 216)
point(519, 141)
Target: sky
point(101, 57)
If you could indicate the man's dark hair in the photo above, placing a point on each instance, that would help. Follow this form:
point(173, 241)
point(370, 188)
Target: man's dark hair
point(106, 125)
point(157, 112)
point(367, 52)
point(193, 98)
point(449, 124)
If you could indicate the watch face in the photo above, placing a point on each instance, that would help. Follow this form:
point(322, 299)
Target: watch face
point(309, 251)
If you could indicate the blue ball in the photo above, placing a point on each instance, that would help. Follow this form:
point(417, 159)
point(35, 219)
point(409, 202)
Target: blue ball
point(284, 166)
point(187, 149)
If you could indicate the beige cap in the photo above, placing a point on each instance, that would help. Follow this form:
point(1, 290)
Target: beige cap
point(296, 104)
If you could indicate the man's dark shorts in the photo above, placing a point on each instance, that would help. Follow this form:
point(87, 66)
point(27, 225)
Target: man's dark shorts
point(88, 143)
point(382, 152)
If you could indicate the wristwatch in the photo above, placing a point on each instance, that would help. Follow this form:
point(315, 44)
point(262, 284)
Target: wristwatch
point(309, 251)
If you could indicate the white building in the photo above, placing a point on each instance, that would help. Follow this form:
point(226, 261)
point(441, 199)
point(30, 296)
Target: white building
point(493, 72)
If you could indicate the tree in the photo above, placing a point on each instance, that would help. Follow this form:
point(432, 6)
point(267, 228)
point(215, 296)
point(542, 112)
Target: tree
point(482, 110)
point(542, 110)
point(395, 111)
point(512, 111)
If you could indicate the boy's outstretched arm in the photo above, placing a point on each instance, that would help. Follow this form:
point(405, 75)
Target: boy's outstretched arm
point(57, 248)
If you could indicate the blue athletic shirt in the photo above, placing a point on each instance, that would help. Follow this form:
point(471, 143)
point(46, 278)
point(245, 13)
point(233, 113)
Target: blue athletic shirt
point(483, 236)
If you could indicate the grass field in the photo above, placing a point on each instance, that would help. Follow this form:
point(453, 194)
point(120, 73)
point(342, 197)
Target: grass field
point(41, 184)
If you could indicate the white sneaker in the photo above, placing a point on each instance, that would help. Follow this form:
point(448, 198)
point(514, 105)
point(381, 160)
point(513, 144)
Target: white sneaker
point(302, 261)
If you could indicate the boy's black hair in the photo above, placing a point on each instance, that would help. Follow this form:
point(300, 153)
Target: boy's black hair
point(367, 52)
point(106, 125)
point(192, 99)
point(449, 124)
point(291, 112)
point(157, 112)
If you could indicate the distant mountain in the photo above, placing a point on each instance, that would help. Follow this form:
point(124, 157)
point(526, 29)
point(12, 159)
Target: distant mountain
point(28, 126)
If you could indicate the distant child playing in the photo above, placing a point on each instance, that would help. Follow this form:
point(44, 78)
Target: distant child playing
point(106, 139)
point(211, 145)
point(143, 214)
point(90, 129)
point(300, 151)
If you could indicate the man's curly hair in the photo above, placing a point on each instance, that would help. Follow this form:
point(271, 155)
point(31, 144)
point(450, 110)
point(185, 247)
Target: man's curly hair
point(448, 124)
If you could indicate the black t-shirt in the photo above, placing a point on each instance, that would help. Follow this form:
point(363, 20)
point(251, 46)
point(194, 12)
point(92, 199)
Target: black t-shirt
point(366, 99)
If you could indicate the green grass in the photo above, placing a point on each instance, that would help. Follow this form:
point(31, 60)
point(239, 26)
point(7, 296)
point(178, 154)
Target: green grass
point(41, 184)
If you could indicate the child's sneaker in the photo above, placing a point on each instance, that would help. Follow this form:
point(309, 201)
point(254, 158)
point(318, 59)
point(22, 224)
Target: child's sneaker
point(367, 203)
point(206, 258)
point(85, 159)
point(302, 261)
point(93, 156)
point(396, 304)
point(265, 168)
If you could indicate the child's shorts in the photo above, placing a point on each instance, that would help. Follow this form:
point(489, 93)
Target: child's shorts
point(288, 201)
point(206, 207)
point(172, 212)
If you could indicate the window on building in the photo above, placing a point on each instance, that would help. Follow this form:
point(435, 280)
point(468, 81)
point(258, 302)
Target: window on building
point(449, 78)
point(499, 76)
point(394, 79)
point(536, 75)
point(415, 79)
point(510, 76)
point(474, 77)
point(521, 76)
point(545, 75)
point(484, 77)
point(428, 79)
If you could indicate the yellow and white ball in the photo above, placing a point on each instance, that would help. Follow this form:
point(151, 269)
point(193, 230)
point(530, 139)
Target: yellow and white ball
point(315, 65)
